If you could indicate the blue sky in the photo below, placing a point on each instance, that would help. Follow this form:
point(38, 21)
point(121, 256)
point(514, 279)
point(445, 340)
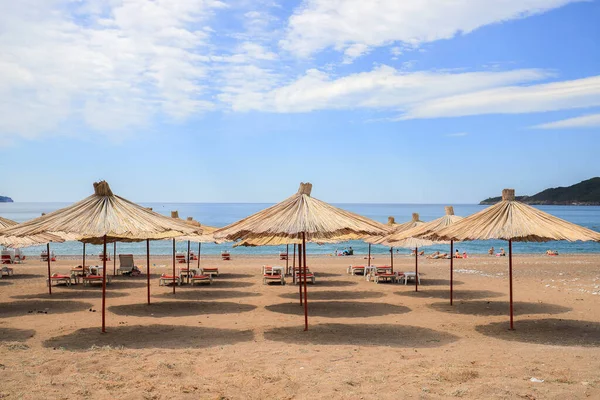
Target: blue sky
point(419, 101)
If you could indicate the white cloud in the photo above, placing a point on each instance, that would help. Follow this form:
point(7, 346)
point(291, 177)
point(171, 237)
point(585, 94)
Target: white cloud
point(579, 93)
point(585, 121)
point(110, 64)
point(384, 88)
point(341, 24)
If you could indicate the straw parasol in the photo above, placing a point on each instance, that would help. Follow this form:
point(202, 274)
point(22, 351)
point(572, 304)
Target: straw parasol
point(17, 242)
point(302, 217)
point(100, 218)
point(411, 237)
point(516, 222)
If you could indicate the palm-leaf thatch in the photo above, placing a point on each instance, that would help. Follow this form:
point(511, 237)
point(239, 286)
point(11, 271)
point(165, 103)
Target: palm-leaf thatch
point(16, 242)
point(515, 221)
point(394, 228)
point(281, 240)
point(103, 214)
point(302, 214)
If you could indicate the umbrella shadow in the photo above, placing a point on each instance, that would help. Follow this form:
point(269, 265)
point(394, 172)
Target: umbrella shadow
point(326, 283)
point(457, 294)
point(19, 308)
point(20, 277)
point(227, 275)
point(327, 274)
point(335, 295)
point(150, 336)
point(487, 308)
point(179, 309)
point(384, 335)
point(435, 282)
point(550, 331)
point(15, 335)
point(217, 283)
point(339, 309)
point(4, 282)
point(82, 293)
point(196, 293)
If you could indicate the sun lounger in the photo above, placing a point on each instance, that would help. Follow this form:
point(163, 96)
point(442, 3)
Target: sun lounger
point(225, 256)
point(193, 256)
point(126, 265)
point(80, 271)
point(405, 276)
point(59, 278)
point(180, 258)
point(273, 278)
point(168, 280)
point(283, 255)
point(101, 256)
point(44, 256)
point(201, 279)
point(356, 270)
point(382, 269)
point(90, 279)
point(6, 259)
point(310, 278)
point(209, 271)
point(7, 271)
point(386, 276)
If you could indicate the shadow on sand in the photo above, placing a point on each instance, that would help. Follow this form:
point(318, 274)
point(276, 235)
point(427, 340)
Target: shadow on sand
point(70, 294)
point(486, 308)
point(15, 335)
point(20, 277)
point(434, 282)
point(384, 335)
point(550, 331)
point(179, 309)
point(198, 293)
point(335, 295)
point(19, 308)
point(445, 294)
point(149, 336)
point(5, 282)
point(327, 283)
point(327, 274)
point(339, 309)
point(227, 275)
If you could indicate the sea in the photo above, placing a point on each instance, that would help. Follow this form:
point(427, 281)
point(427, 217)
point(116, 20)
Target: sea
point(222, 214)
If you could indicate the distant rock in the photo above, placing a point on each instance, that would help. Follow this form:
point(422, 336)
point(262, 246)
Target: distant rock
point(586, 193)
point(4, 199)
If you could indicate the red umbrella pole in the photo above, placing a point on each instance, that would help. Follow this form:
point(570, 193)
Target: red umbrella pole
point(287, 257)
point(369, 257)
point(104, 288)
point(451, 269)
point(115, 259)
point(83, 265)
point(305, 289)
point(199, 249)
point(299, 270)
point(188, 260)
point(49, 280)
point(294, 262)
point(173, 265)
point(512, 327)
point(148, 267)
point(392, 259)
point(416, 269)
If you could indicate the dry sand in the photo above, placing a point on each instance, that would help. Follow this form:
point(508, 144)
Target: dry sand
point(240, 339)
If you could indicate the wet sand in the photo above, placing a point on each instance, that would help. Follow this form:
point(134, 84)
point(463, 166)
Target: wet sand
point(241, 339)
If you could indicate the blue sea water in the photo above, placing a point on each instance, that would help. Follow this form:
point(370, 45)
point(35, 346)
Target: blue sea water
point(221, 214)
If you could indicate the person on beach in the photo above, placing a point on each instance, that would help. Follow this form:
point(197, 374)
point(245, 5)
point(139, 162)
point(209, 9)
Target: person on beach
point(457, 254)
point(552, 252)
point(464, 254)
point(491, 251)
point(502, 253)
point(434, 255)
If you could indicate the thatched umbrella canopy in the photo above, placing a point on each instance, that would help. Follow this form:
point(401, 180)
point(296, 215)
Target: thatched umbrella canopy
point(17, 242)
point(514, 221)
point(413, 237)
point(100, 218)
point(302, 217)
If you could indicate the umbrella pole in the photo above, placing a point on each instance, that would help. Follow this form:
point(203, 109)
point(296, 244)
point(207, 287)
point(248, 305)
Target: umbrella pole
point(299, 269)
point(199, 249)
point(294, 261)
point(104, 288)
point(512, 327)
point(83, 265)
point(148, 267)
point(416, 269)
point(49, 280)
point(115, 259)
point(451, 268)
point(369, 257)
point(305, 289)
point(188, 260)
point(173, 265)
point(392, 258)
point(287, 257)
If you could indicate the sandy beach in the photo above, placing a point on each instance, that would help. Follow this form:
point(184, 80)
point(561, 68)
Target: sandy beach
point(240, 339)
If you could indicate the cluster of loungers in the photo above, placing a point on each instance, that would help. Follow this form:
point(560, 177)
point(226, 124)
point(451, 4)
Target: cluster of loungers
point(277, 274)
point(382, 274)
point(195, 276)
point(87, 276)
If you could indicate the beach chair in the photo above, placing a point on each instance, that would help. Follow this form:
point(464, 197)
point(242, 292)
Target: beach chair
point(101, 256)
point(406, 276)
point(193, 256)
point(356, 270)
point(7, 257)
point(209, 271)
point(283, 255)
point(126, 264)
point(225, 255)
point(180, 258)
point(80, 271)
point(58, 279)
point(386, 277)
point(44, 256)
point(19, 256)
point(383, 269)
point(201, 279)
point(91, 279)
point(166, 280)
point(310, 277)
point(8, 271)
point(273, 278)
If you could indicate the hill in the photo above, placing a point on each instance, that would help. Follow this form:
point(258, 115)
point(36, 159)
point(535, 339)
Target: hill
point(4, 199)
point(583, 193)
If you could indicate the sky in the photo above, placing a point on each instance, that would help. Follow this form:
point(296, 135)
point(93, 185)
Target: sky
point(381, 101)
